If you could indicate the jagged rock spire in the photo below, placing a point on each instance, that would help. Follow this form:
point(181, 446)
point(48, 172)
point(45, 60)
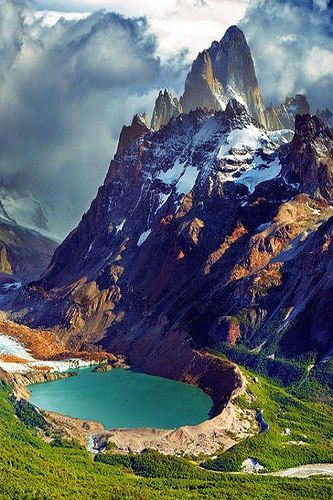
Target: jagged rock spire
point(222, 72)
point(166, 106)
point(130, 133)
point(283, 116)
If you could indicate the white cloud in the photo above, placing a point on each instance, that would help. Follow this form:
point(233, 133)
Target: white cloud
point(51, 17)
point(65, 92)
point(319, 63)
point(292, 43)
point(178, 24)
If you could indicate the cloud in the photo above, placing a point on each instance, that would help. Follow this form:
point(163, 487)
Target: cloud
point(177, 24)
point(68, 85)
point(292, 44)
point(65, 92)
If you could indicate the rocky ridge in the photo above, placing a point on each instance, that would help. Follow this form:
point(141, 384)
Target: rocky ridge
point(283, 116)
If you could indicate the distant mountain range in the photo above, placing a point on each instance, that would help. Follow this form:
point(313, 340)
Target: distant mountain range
point(26, 245)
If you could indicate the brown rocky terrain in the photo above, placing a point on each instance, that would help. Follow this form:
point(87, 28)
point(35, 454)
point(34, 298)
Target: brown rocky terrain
point(220, 433)
point(204, 232)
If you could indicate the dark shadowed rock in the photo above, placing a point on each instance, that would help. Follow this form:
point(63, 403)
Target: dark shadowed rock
point(307, 160)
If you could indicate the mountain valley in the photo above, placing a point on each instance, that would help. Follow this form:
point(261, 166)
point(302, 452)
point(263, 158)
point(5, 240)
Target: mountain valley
point(206, 258)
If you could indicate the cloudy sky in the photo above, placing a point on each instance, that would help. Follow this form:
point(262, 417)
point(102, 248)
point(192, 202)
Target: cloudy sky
point(72, 74)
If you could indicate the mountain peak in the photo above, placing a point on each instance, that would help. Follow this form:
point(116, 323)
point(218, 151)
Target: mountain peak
point(307, 160)
point(235, 108)
point(233, 33)
point(130, 133)
point(166, 106)
point(222, 72)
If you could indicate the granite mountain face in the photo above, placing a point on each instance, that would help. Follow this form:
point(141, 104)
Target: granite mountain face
point(166, 107)
point(283, 116)
point(209, 228)
point(222, 72)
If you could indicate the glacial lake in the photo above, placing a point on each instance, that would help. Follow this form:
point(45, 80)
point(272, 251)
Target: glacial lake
point(123, 398)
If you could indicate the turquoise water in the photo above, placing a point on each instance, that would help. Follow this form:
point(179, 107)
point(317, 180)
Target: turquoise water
point(123, 398)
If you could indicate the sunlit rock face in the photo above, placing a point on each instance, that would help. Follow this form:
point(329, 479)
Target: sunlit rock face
point(283, 116)
point(166, 106)
point(222, 72)
point(132, 132)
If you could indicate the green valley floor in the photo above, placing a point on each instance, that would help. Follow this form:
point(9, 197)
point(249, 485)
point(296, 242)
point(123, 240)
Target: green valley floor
point(30, 468)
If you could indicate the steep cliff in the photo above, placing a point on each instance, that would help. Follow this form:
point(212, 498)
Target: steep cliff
point(166, 106)
point(222, 72)
point(283, 116)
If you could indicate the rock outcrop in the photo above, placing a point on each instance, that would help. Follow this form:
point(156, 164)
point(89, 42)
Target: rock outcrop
point(222, 72)
point(19, 382)
point(166, 106)
point(283, 116)
point(130, 133)
point(308, 159)
point(326, 116)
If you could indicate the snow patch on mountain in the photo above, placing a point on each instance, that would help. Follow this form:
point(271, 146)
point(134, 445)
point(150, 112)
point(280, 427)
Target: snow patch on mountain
point(10, 346)
point(282, 136)
point(143, 237)
point(206, 132)
point(120, 226)
point(162, 199)
point(172, 175)
point(258, 174)
point(250, 138)
point(187, 181)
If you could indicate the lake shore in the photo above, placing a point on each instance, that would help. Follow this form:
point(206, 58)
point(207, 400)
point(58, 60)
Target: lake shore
point(221, 379)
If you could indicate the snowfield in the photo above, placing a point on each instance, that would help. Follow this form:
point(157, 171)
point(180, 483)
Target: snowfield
point(256, 175)
point(9, 346)
point(249, 138)
point(143, 237)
